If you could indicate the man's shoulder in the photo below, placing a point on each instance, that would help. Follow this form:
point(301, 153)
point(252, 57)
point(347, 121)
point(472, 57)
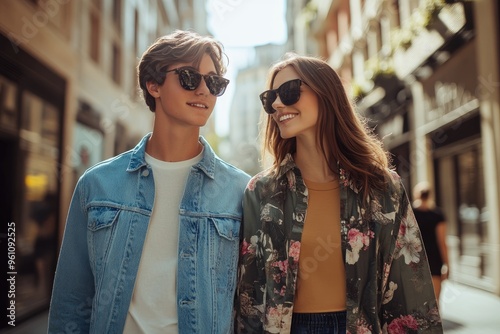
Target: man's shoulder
point(110, 165)
point(231, 169)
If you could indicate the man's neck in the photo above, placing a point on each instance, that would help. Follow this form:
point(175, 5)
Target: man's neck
point(172, 147)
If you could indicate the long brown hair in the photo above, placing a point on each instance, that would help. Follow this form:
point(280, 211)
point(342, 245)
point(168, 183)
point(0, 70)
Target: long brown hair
point(342, 135)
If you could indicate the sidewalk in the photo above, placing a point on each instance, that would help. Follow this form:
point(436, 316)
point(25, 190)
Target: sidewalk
point(465, 310)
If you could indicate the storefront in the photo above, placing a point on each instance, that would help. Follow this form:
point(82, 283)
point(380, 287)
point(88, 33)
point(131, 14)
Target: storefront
point(452, 134)
point(460, 184)
point(31, 118)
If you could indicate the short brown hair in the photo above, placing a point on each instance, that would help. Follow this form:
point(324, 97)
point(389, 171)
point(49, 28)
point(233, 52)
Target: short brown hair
point(179, 46)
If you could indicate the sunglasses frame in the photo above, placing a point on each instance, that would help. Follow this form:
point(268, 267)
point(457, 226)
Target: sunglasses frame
point(206, 77)
point(280, 91)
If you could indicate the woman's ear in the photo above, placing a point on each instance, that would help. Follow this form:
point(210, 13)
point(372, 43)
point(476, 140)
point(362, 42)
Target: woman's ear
point(153, 88)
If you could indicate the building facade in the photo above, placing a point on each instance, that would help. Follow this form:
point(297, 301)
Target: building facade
point(425, 73)
point(244, 145)
point(68, 99)
point(244, 138)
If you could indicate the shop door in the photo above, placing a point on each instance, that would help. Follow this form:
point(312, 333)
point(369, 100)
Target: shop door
point(461, 193)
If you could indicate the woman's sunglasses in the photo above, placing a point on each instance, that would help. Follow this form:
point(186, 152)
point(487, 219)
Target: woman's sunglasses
point(190, 79)
point(289, 93)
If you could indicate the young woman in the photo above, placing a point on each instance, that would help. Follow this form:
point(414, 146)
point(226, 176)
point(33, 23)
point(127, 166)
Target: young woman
point(329, 241)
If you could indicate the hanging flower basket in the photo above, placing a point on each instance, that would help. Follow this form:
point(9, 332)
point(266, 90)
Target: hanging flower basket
point(430, 12)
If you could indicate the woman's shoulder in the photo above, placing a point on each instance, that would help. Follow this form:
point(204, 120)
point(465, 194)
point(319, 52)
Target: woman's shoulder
point(394, 181)
point(261, 180)
point(394, 189)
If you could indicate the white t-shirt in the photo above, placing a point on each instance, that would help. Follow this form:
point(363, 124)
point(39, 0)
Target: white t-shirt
point(153, 308)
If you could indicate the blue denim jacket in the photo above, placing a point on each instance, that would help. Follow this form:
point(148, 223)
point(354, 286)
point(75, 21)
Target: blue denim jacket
point(104, 236)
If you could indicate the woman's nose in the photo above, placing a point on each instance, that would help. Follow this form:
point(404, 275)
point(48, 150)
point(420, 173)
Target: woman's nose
point(277, 103)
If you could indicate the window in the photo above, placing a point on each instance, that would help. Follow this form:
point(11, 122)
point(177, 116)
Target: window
point(8, 105)
point(95, 27)
point(116, 42)
point(117, 14)
point(116, 64)
point(136, 33)
point(39, 147)
point(31, 119)
point(95, 10)
point(135, 91)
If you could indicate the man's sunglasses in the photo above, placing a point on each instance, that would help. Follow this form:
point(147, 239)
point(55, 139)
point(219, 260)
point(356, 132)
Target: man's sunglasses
point(289, 93)
point(190, 79)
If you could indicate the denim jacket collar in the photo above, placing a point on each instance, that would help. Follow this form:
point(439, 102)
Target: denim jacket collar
point(206, 164)
point(138, 159)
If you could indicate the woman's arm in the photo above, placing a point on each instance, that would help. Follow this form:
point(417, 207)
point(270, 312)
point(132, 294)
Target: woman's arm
point(408, 301)
point(249, 294)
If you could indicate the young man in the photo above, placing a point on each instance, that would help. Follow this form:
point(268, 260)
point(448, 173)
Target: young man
point(151, 240)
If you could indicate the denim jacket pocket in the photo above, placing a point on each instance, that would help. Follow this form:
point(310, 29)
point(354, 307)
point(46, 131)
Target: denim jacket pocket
point(224, 257)
point(227, 228)
point(101, 217)
point(102, 221)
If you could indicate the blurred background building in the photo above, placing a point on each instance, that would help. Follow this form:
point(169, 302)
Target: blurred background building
point(425, 73)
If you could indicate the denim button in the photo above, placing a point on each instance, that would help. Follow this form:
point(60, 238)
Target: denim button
point(145, 172)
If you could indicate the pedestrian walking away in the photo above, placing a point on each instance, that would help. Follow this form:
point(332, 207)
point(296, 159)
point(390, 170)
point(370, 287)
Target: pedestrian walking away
point(432, 224)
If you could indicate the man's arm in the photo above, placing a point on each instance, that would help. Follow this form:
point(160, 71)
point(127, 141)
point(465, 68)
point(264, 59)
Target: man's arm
point(73, 291)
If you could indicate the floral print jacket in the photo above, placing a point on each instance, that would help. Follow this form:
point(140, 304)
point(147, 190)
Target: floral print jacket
point(389, 286)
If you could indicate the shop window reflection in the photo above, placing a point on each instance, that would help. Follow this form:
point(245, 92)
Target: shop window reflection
point(8, 105)
point(37, 230)
point(472, 212)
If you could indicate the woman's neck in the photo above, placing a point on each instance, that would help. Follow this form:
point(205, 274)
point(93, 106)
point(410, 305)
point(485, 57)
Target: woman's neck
point(312, 163)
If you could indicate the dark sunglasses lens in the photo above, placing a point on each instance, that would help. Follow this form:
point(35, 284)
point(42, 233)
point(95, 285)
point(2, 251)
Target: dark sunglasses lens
point(267, 98)
point(188, 79)
point(216, 84)
point(289, 92)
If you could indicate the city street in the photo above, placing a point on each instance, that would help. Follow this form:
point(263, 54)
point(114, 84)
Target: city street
point(465, 310)
point(416, 81)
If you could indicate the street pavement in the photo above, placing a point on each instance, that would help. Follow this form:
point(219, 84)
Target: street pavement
point(465, 310)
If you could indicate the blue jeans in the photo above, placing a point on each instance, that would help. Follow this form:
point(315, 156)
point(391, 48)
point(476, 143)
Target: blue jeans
point(319, 323)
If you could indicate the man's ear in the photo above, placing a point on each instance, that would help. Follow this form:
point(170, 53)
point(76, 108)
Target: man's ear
point(153, 88)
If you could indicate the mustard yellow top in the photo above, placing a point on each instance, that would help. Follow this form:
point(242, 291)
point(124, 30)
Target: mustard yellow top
point(321, 280)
